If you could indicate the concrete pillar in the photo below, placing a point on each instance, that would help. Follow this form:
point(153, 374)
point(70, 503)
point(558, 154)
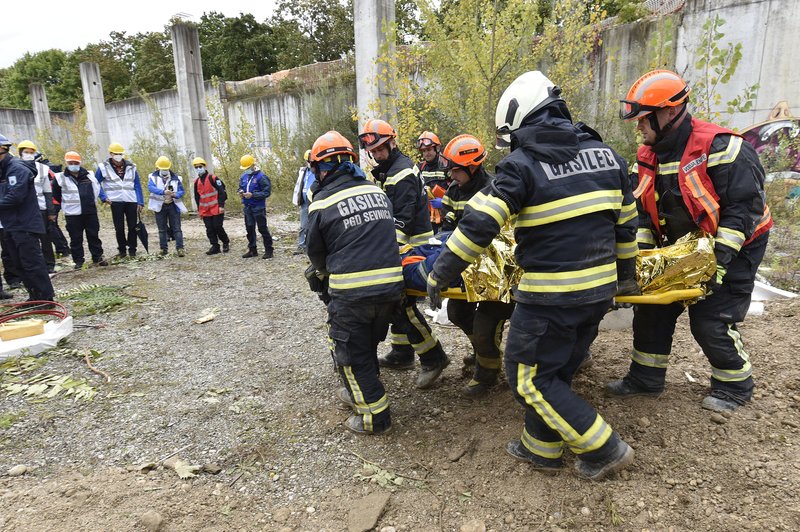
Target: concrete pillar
point(191, 94)
point(41, 111)
point(95, 108)
point(370, 19)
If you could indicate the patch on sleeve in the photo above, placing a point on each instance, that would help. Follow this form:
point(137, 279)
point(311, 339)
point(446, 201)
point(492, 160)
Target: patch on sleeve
point(12, 180)
point(219, 183)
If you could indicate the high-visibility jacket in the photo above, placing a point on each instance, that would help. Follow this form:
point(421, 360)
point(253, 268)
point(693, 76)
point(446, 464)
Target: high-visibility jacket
point(78, 194)
point(126, 189)
point(575, 214)
point(399, 177)
point(351, 236)
point(209, 191)
point(720, 181)
point(43, 188)
point(157, 185)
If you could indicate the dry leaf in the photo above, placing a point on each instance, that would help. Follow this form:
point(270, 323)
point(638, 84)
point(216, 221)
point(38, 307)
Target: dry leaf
point(185, 469)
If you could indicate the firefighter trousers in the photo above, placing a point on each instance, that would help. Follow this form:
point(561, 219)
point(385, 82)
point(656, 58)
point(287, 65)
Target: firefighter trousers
point(410, 333)
point(713, 324)
point(483, 324)
point(545, 346)
point(356, 329)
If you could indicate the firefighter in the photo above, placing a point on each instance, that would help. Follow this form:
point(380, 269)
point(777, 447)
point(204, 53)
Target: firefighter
point(482, 322)
point(399, 178)
point(351, 242)
point(433, 174)
point(563, 184)
point(22, 224)
point(210, 196)
point(694, 175)
point(30, 155)
point(119, 179)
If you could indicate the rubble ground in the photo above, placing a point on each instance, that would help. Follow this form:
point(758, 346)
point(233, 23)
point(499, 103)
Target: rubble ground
point(243, 406)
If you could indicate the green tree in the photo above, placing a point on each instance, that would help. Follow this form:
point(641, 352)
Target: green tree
point(45, 67)
point(235, 48)
point(326, 24)
point(153, 66)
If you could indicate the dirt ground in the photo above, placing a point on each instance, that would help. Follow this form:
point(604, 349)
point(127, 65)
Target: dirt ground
point(251, 392)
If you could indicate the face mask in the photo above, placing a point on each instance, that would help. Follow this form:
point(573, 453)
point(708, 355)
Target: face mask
point(163, 173)
point(28, 156)
point(73, 168)
point(117, 158)
point(251, 170)
point(200, 171)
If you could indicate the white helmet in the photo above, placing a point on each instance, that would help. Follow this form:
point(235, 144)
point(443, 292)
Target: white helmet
point(526, 95)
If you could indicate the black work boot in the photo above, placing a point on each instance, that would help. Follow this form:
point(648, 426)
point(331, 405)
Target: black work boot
point(626, 388)
point(476, 389)
point(213, 250)
point(620, 457)
point(226, 247)
point(400, 357)
point(429, 373)
point(268, 254)
point(356, 424)
point(5, 295)
point(251, 252)
point(343, 399)
point(722, 401)
point(547, 465)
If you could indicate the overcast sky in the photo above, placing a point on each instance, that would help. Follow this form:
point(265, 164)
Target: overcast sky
point(70, 25)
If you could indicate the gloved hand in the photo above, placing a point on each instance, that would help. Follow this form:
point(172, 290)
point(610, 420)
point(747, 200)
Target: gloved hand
point(315, 280)
point(434, 292)
point(436, 203)
point(715, 283)
point(626, 278)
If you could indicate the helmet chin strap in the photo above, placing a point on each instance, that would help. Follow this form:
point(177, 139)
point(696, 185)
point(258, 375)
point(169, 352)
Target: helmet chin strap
point(662, 132)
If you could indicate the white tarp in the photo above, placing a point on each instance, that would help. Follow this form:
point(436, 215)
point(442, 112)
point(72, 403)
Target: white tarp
point(32, 345)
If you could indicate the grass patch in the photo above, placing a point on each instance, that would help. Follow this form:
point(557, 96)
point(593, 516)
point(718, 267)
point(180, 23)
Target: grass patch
point(88, 300)
point(9, 418)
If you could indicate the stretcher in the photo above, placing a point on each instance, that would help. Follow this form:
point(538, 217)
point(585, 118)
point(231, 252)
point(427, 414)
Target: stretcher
point(665, 298)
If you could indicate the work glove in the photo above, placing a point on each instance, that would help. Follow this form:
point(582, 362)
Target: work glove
point(315, 280)
point(434, 292)
point(626, 278)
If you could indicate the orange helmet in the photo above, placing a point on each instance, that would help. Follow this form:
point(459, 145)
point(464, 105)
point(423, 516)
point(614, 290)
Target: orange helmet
point(464, 151)
point(375, 133)
point(653, 91)
point(330, 144)
point(72, 156)
point(428, 138)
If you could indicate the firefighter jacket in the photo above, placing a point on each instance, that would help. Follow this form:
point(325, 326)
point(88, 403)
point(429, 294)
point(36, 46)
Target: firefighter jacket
point(351, 236)
point(576, 216)
point(19, 210)
point(77, 193)
point(433, 174)
point(209, 194)
point(398, 177)
point(456, 198)
point(124, 188)
point(701, 176)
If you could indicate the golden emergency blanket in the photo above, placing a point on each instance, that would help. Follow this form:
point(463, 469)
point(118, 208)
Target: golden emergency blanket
point(491, 277)
point(688, 263)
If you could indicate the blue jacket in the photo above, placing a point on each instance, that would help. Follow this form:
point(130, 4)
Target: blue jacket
point(173, 180)
point(259, 184)
point(19, 208)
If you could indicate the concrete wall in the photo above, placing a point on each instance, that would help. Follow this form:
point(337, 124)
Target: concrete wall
point(20, 124)
point(132, 117)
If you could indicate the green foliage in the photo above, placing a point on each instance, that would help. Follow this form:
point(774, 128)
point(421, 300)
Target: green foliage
point(625, 10)
point(325, 26)
point(783, 252)
point(88, 300)
point(77, 138)
point(717, 64)
point(9, 418)
point(53, 69)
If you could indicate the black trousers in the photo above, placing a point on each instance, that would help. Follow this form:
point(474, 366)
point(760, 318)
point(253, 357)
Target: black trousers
point(713, 324)
point(257, 217)
point(79, 224)
point(214, 230)
point(47, 245)
point(8, 253)
point(412, 334)
point(125, 212)
point(546, 344)
point(31, 265)
point(57, 237)
point(356, 329)
point(483, 324)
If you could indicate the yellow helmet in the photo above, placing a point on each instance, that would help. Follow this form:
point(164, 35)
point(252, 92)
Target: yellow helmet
point(116, 147)
point(307, 155)
point(162, 163)
point(26, 144)
point(199, 160)
point(246, 161)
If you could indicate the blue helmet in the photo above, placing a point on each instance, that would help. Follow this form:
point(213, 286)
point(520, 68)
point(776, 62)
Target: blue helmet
point(4, 141)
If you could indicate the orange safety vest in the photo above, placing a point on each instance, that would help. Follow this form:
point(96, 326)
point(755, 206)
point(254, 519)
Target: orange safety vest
point(697, 190)
point(209, 197)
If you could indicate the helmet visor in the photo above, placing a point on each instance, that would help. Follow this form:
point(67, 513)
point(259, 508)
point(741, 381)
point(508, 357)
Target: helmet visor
point(631, 110)
point(369, 140)
point(424, 143)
